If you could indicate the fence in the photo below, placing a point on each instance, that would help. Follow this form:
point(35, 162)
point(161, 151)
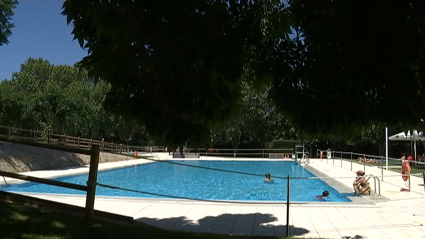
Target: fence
point(85, 143)
point(335, 156)
point(71, 141)
point(91, 184)
point(248, 153)
point(346, 160)
point(90, 189)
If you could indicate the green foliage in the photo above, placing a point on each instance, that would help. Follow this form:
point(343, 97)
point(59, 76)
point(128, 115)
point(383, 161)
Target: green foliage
point(175, 67)
point(178, 68)
point(50, 97)
point(6, 14)
point(284, 144)
point(354, 64)
point(256, 122)
point(55, 96)
point(64, 100)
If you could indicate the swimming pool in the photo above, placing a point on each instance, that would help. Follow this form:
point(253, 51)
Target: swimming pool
point(197, 183)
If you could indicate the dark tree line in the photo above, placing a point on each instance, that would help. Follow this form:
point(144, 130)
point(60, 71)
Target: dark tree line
point(333, 66)
point(62, 100)
point(332, 69)
point(65, 100)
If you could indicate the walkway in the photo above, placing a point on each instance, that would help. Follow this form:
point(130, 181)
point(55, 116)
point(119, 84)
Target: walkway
point(393, 215)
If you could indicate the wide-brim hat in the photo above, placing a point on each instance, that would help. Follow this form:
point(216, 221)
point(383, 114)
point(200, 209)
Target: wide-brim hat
point(360, 172)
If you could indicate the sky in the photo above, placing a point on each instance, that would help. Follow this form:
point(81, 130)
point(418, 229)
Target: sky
point(40, 31)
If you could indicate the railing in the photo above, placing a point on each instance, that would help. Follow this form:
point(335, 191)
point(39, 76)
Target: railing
point(90, 189)
point(71, 141)
point(345, 158)
point(301, 154)
point(376, 179)
point(257, 153)
point(336, 157)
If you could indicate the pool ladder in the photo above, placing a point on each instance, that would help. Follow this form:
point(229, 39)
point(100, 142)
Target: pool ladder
point(157, 157)
point(375, 179)
point(5, 180)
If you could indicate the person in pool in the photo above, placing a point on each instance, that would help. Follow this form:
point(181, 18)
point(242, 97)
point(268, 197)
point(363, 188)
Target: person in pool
point(268, 178)
point(324, 195)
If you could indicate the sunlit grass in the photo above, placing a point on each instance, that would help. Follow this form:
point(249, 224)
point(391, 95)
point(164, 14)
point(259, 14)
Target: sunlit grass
point(19, 217)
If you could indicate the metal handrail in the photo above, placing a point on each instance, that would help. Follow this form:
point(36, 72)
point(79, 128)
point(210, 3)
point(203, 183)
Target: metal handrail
point(5, 180)
point(157, 157)
point(375, 178)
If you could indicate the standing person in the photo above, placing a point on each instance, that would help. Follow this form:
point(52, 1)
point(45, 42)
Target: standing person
point(329, 154)
point(410, 160)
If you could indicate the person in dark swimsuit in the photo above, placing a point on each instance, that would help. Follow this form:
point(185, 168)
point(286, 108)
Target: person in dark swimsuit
point(268, 178)
point(324, 195)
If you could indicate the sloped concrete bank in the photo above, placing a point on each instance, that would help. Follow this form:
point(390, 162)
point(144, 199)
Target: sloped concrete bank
point(18, 158)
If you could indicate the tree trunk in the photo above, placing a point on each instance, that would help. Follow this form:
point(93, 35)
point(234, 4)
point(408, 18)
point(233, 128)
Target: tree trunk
point(181, 150)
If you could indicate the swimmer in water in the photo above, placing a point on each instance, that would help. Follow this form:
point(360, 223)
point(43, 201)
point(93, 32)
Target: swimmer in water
point(268, 178)
point(324, 195)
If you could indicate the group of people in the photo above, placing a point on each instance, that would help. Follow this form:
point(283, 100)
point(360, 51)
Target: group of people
point(324, 194)
point(361, 185)
point(365, 160)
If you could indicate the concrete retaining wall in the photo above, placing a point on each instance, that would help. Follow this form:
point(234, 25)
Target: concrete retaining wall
point(20, 158)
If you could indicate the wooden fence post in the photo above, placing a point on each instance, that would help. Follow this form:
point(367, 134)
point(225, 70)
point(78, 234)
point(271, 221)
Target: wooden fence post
point(92, 181)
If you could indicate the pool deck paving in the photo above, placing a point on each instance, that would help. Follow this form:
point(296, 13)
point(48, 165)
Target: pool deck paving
point(393, 214)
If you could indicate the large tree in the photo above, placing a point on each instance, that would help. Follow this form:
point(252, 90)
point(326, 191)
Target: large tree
point(58, 98)
point(256, 123)
point(174, 66)
point(351, 64)
point(177, 67)
point(6, 14)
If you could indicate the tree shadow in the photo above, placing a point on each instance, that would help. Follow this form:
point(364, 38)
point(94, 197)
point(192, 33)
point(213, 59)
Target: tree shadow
point(253, 224)
point(20, 221)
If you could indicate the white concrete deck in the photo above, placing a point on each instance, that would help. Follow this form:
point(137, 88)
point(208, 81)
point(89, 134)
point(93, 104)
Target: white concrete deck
point(395, 214)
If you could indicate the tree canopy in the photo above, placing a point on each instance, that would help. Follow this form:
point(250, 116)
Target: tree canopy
point(334, 66)
point(175, 66)
point(64, 99)
point(6, 14)
point(354, 63)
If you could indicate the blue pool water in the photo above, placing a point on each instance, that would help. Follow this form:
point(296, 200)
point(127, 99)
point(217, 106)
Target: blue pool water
point(183, 181)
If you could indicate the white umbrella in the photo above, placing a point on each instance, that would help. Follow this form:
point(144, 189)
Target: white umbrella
point(414, 137)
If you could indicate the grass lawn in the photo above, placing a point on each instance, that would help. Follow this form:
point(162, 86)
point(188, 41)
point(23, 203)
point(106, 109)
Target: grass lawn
point(394, 166)
point(19, 221)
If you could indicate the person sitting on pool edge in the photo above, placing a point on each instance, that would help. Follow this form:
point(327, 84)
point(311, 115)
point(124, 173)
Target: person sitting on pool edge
point(324, 195)
point(268, 178)
point(361, 185)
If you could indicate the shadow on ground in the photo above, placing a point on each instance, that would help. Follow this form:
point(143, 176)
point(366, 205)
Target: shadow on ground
point(230, 224)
